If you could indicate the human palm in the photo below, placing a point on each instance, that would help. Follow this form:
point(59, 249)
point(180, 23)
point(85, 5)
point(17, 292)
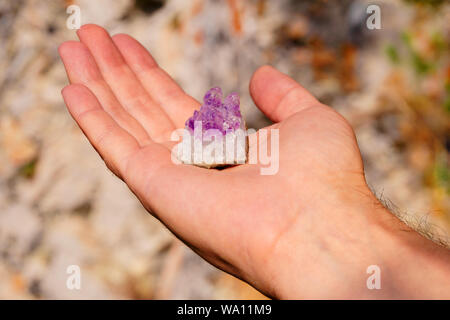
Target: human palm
point(236, 218)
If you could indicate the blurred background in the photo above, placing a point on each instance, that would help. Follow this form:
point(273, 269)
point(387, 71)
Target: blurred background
point(59, 206)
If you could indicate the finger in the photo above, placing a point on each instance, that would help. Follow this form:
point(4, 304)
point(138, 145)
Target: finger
point(82, 69)
point(161, 87)
point(277, 95)
point(114, 144)
point(124, 83)
point(150, 173)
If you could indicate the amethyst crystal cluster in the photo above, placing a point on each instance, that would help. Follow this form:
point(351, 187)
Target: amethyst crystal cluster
point(217, 113)
point(222, 139)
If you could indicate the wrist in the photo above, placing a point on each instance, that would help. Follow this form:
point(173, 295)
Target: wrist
point(327, 258)
point(414, 266)
point(330, 259)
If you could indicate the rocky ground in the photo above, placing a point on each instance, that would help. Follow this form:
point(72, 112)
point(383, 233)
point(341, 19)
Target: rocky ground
point(60, 207)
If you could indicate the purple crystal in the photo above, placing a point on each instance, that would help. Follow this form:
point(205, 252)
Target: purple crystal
point(216, 113)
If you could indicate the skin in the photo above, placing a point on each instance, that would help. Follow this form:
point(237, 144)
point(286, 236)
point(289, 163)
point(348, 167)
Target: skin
point(309, 231)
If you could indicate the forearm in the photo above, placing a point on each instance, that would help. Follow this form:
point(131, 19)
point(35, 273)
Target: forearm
point(416, 267)
point(336, 267)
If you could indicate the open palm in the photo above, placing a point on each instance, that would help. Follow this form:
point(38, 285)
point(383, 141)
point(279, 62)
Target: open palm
point(238, 219)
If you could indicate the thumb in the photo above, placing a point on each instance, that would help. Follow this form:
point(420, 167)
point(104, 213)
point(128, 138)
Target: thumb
point(277, 95)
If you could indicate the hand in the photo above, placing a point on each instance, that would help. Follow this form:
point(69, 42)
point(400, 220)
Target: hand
point(307, 231)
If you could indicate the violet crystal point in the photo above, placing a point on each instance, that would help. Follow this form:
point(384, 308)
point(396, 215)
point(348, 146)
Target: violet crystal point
point(215, 135)
point(224, 116)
